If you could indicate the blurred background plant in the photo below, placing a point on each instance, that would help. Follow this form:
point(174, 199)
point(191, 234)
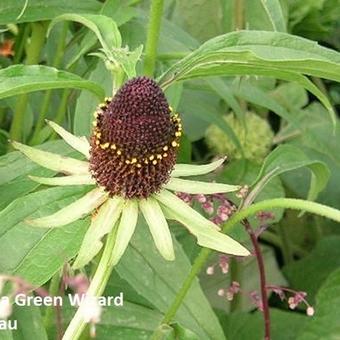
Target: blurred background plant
point(267, 127)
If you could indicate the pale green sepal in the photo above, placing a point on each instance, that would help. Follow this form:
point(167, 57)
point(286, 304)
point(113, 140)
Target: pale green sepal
point(158, 226)
point(101, 225)
point(73, 211)
point(182, 170)
point(203, 229)
point(53, 161)
point(125, 230)
point(196, 187)
point(65, 180)
point(78, 143)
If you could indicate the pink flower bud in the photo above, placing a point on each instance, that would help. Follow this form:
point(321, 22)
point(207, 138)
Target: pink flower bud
point(210, 270)
point(310, 311)
point(208, 207)
point(200, 198)
point(221, 292)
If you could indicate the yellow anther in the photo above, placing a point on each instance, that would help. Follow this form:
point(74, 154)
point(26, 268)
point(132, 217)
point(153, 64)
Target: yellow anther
point(94, 123)
point(134, 160)
point(95, 115)
point(102, 105)
point(113, 147)
point(127, 161)
point(138, 165)
point(174, 143)
point(170, 108)
point(151, 157)
point(178, 134)
point(105, 145)
point(159, 156)
point(98, 134)
point(165, 148)
point(165, 155)
point(108, 99)
point(154, 162)
point(97, 142)
point(119, 152)
point(146, 161)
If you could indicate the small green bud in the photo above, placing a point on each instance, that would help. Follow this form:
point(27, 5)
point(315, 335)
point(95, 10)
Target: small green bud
point(256, 140)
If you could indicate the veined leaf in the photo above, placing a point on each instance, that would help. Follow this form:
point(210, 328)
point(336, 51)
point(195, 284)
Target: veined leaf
point(286, 158)
point(104, 28)
point(37, 10)
point(42, 251)
point(275, 14)
point(271, 54)
point(19, 79)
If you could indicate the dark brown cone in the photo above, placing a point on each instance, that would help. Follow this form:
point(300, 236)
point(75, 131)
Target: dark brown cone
point(134, 141)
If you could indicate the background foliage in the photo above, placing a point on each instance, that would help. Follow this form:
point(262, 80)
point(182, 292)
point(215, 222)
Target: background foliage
point(270, 71)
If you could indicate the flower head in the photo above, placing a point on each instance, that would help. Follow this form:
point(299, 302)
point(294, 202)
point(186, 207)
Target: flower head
point(134, 141)
point(131, 162)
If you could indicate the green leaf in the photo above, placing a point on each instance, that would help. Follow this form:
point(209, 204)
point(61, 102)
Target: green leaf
point(42, 251)
point(284, 325)
point(30, 323)
point(286, 158)
point(19, 79)
point(15, 168)
point(275, 14)
point(131, 322)
point(271, 54)
point(309, 273)
point(160, 280)
point(325, 323)
point(38, 10)
point(104, 28)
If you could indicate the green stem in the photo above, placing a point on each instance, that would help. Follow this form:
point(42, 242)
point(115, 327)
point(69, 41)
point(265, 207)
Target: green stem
point(33, 55)
point(201, 259)
point(53, 291)
point(156, 12)
point(21, 42)
point(238, 15)
point(47, 98)
point(289, 203)
point(97, 286)
point(235, 275)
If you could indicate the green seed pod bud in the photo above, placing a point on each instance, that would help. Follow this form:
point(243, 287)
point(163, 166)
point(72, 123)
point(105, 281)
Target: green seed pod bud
point(256, 140)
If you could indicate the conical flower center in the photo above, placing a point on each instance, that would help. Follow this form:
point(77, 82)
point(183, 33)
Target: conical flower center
point(134, 140)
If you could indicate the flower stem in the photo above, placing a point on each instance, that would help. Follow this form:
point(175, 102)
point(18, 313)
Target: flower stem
point(156, 12)
point(96, 288)
point(33, 55)
point(260, 264)
point(238, 15)
point(195, 269)
point(289, 203)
